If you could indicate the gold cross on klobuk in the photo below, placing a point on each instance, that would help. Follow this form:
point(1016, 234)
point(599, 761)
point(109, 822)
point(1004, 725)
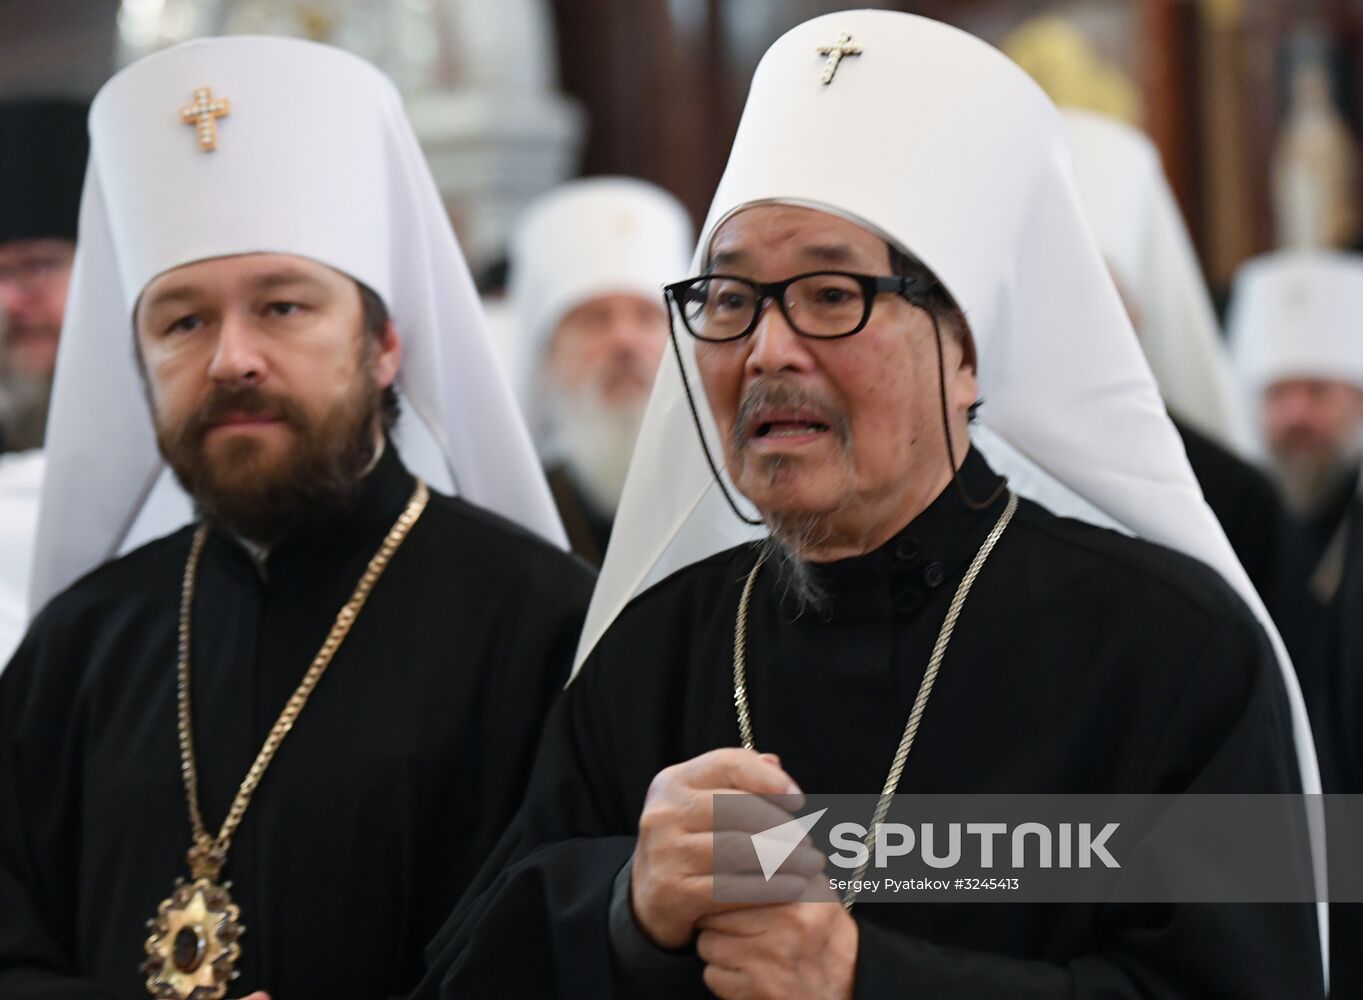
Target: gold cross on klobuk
point(203, 114)
point(835, 53)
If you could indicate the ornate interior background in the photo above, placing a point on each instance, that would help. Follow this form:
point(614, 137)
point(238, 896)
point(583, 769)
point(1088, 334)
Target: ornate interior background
point(510, 96)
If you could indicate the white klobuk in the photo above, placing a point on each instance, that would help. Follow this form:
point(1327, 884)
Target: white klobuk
point(940, 143)
point(1133, 214)
point(315, 158)
point(480, 80)
point(1295, 314)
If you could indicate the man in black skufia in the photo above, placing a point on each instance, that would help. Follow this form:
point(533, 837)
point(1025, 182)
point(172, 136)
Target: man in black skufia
point(43, 149)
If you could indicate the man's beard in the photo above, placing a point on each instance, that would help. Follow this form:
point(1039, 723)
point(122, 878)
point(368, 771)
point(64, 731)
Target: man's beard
point(1311, 480)
point(318, 477)
point(595, 440)
point(24, 402)
point(28, 350)
point(797, 580)
point(793, 533)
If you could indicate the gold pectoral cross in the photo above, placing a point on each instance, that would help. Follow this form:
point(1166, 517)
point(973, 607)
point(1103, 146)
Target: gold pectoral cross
point(835, 53)
point(203, 113)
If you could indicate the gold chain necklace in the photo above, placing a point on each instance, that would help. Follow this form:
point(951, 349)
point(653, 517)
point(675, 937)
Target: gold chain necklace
point(194, 944)
point(920, 702)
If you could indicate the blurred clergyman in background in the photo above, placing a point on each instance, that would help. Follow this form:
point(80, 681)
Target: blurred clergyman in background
point(43, 148)
point(588, 263)
point(1296, 339)
point(1294, 329)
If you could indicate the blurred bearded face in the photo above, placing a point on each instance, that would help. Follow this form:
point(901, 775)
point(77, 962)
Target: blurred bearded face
point(599, 370)
point(1314, 429)
point(609, 347)
point(264, 386)
point(34, 276)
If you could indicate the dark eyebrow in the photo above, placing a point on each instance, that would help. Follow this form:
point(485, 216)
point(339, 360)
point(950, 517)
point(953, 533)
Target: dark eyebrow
point(166, 296)
point(725, 258)
point(283, 278)
point(829, 253)
point(824, 253)
point(187, 293)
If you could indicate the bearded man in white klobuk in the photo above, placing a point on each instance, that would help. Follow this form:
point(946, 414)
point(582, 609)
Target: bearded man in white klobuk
point(588, 263)
point(314, 706)
point(1294, 324)
point(896, 242)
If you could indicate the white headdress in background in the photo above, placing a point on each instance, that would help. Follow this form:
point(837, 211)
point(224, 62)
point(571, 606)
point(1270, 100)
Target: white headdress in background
point(1297, 314)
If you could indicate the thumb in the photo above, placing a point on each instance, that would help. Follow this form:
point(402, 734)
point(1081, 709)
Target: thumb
point(258, 995)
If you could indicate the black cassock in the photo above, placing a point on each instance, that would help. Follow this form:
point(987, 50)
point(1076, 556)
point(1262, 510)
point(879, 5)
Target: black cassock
point(1333, 686)
point(1084, 662)
point(396, 781)
point(1243, 500)
point(589, 531)
point(1324, 634)
point(1322, 624)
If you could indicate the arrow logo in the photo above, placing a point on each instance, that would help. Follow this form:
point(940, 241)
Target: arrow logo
point(773, 846)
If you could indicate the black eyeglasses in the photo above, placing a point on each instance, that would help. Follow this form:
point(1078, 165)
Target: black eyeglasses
point(822, 304)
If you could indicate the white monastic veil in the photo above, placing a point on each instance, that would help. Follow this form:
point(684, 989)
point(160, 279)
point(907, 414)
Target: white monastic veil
point(21, 477)
point(316, 158)
point(1131, 210)
point(980, 188)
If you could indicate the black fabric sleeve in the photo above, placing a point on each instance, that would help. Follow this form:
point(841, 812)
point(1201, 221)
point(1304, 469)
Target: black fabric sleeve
point(896, 965)
point(641, 967)
point(545, 891)
point(38, 824)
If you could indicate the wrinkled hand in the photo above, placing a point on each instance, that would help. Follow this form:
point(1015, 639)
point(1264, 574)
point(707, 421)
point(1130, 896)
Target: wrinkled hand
point(671, 882)
point(806, 950)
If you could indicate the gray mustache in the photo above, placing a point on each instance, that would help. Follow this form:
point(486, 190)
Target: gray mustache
point(768, 393)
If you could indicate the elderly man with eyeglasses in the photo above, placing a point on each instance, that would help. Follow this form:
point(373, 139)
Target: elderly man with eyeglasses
point(876, 266)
